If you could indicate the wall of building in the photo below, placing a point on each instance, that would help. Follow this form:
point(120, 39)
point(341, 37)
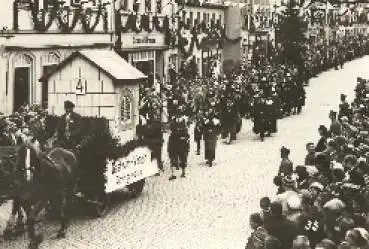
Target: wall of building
point(232, 45)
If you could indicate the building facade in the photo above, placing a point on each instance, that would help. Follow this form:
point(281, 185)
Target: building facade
point(199, 33)
point(37, 35)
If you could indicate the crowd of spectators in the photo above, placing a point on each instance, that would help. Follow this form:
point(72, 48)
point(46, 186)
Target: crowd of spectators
point(323, 204)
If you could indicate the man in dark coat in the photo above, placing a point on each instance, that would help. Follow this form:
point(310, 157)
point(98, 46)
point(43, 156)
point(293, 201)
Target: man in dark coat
point(198, 130)
point(344, 107)
point(211, 130)
point(154, 138)
point(260, 117)
point(69, 127)
point(178, 144)
point(277, 226)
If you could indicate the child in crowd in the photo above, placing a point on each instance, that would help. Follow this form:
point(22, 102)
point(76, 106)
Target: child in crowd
point(265, 207)
point(310, 157)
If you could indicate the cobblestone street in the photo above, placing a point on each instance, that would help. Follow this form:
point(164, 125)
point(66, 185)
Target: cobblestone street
point(209, 209)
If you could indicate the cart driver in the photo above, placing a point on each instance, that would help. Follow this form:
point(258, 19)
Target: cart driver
point(69, 127)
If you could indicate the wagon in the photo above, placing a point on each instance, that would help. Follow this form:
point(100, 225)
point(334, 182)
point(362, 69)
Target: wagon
point(105, 89)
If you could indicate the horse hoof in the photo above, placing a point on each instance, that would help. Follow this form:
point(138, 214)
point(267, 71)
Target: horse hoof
point(61, 235)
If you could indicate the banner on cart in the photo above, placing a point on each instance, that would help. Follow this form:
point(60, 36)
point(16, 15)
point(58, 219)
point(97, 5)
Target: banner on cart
point(127, 170)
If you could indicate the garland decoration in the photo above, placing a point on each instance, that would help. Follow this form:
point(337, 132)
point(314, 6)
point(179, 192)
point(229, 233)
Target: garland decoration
point(129, 23)
point(64, 26)
point(156, 23)
point(58, 14)
point(40, 25)
point(86, 19)
point(145, 23)
point(136, 24)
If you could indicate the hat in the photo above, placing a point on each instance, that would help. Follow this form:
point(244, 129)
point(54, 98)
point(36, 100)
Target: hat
point(335, 205)
point(68, 104)
point(317, 185)
point(285, 150)
point(343, 96)
point(294, 202)
point(344, 119)
point(337, 166)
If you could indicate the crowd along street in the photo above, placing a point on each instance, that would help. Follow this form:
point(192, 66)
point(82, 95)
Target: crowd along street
point(211, 207)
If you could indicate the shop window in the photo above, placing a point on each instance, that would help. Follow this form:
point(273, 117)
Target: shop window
point(191, 19)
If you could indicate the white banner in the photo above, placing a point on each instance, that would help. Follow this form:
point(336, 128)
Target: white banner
point(127, 170)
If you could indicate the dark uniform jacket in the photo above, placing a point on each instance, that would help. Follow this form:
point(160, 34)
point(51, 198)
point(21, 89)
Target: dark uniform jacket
point(153, 133)
point(75, 128)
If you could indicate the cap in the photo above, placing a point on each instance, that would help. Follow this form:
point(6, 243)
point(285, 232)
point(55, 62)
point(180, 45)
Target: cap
point(317, 185)
point(285, 150)
point(68, 104)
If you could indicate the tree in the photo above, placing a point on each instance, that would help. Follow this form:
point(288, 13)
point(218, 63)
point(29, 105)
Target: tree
point(292, 37)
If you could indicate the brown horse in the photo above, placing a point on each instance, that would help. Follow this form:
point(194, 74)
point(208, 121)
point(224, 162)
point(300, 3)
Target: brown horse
point(53, 179)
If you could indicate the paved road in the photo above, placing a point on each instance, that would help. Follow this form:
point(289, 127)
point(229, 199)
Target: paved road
point(210, 208)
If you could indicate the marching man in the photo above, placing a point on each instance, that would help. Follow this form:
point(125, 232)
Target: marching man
point(179, 143)
point(211, 130)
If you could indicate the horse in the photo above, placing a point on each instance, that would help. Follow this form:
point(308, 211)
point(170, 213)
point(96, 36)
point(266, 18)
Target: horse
point(53, 179)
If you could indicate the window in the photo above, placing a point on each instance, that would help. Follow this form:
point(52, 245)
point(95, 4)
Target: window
point(126, 108)
point(204, 17)
point(198, 17)
point(158, 6)
point(191, 19)
point(147, 6)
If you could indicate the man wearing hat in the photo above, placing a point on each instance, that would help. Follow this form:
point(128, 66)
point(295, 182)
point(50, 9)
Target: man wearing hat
point(335, 128)
point(69, 128)
point(344, 107)
point(286, 167)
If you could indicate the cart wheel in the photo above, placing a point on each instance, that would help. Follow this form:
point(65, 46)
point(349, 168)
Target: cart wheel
point(135, 189)
point(101, 205)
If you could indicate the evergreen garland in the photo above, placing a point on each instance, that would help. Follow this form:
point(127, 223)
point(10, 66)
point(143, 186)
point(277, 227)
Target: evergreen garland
point(86, 24)
point(136, 24)
point(64, 26)
point(55, 14)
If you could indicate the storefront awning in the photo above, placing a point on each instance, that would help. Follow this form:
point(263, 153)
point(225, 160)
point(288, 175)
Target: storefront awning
point(108, 61)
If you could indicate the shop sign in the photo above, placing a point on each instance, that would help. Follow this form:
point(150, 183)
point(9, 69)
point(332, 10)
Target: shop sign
point(136, 166)
point(144, 40)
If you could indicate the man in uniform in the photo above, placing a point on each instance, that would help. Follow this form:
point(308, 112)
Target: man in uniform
point(178, 144)
point(260, 116)
point(69, 128)
point(211, 130)
point(154, 138)
point(198, 130)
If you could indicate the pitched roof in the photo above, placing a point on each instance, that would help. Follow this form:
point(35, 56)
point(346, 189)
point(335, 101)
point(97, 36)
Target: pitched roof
point(108, 61)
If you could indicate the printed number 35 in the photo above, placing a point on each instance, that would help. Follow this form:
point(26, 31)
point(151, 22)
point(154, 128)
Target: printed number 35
point(312, 225)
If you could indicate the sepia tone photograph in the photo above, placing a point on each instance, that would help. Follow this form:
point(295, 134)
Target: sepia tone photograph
point(184, 124)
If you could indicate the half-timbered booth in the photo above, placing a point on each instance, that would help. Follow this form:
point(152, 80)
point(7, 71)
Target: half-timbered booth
point(101, 84)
